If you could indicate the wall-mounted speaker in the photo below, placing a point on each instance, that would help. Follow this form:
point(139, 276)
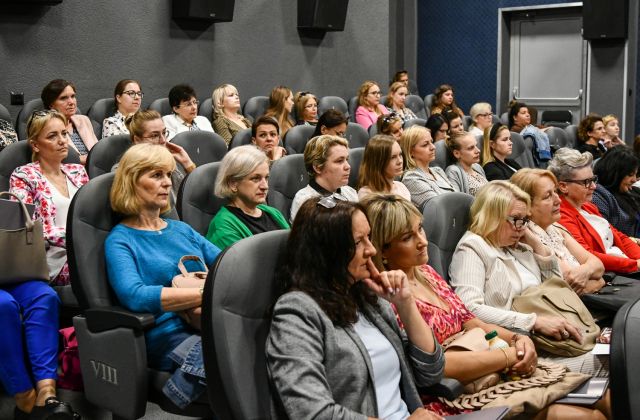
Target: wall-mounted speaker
point(211, 10)
point(327, 15)
point(604, 19)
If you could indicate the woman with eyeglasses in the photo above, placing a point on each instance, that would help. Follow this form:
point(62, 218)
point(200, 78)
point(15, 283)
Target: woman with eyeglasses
point(332, 122)
point(465, 174)
point(498, 258)
point(227, 117)
point(382, 163)
point(128, 98)
point(496, 149)
point(369, 106)
point(583, 220)
point(60, 95)
point(444, 101)
point(390, 125)
point(395, 102)
point(184, 104)
point(481, 118)
point(280, 106)
point(438, 126)
point(591, 134)
point(306, 108)
point(334, 348)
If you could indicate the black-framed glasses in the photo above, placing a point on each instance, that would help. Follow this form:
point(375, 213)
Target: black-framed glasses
point(132, 94)
point(518, 222)
point(488, 114)
point(584, 182)
point(375, 93)
point(185, 104)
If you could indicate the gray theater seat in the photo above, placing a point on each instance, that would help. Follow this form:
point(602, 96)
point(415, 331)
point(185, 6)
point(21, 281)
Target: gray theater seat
point(197, 204)
point(106, 153)
point(242, 137)
point(355, 159)
point(625, 353)
point(5, 114)
point(288, 176)
point(415, 121)
point(441, 158)
point(352, 105)
point(255, 107)
point(332, 102)
point(24, 114)
point(101, 109)
point(522, 153)
point(206, 109)
point(161, 105)
point(416, 104)
point(557, 138)
point(572, 135)
point(356, 135)
point(297, 137)
point(202, 146)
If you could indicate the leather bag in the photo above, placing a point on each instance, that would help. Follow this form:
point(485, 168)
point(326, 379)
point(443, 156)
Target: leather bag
point(22, 248)
point(193, 279)
point(554, 297)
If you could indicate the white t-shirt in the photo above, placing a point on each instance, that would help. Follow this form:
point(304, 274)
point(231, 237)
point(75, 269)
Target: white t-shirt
point(57, 256)
point(602, 226)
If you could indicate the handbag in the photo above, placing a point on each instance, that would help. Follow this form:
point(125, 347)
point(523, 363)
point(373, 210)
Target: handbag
point(554, 297)
point(193, 279)
point(22, 248)
point(618, 291)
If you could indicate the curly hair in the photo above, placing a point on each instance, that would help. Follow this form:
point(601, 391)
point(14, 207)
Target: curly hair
point(319, 250)
point(586, 125)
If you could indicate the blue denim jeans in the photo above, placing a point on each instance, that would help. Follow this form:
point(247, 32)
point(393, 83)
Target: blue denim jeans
point(188, 382)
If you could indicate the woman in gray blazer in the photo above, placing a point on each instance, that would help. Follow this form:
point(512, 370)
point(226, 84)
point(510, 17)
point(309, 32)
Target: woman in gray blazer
point(335, 350)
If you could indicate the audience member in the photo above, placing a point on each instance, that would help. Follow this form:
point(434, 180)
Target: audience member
point(128, 98)
point(369, 106)
point(8, 134)
point(395, 102)
point(265, 135)
point(227, 118)
point(142, 254)
point(50, 185)
point(331, 122)
point(335, 320)
point(401, 76)
point(520, 121)
point(497, 148)
point(280, 107)
point(611, 131)
point(326, 159)
point(306, 108)
point(381, 164)
point(454, 121)
point(390, 125)
point(499, 258)
point(481, 118)
point(438, 127)
point(591, 136)
point(444, 101)
point(582, 270)
point(582, 219)
point(184, 104)
point(60, 95)
point(615, 196)
point(422, 181)
point(243, 179)
point(466, 174)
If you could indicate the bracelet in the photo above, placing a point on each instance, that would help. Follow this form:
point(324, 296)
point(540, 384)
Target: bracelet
point(190, 168)
point(506, 356)
point(514, 339)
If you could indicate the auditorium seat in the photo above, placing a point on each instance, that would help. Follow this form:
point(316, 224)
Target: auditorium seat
point(466, 122)
point(201, 146)
point(101, 109)
point(572, 135)
point(206, 109)
point(557, 138)
point(504, 118)
point(373, 130)
point(241, 138)
point(161, 105)
point(255, 107)
point(288, 175)
point(557, 118)
point(416, 104)
point(625, 353)
point(297, 137)
point(197, 204)
point(106, 153)
point(352, 105)
point(428, 104)
point(441, 155)
point(5, 114)
point(332, 102)
point(415, 121)
point(520, 152)
point(356, 135)
point(355, 159)
point(413, 87)
point(445, 219)
point(24, 114)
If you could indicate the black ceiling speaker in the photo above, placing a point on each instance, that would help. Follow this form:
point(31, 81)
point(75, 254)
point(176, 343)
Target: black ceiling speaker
point(327, 15)
point(210, 10)
point(605, 19)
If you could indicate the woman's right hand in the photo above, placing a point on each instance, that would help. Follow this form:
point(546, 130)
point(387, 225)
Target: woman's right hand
point(556, 327)
point(179, 154)
point(422, 414)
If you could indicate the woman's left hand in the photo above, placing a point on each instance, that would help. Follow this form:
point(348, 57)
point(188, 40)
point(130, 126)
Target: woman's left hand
point(390, 285)
point(526, 354)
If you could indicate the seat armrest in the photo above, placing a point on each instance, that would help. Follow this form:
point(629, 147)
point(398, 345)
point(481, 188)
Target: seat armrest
point(108, 318)
point(447, 388)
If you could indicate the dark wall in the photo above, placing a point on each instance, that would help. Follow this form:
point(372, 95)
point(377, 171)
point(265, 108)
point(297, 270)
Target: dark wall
point(94, 44)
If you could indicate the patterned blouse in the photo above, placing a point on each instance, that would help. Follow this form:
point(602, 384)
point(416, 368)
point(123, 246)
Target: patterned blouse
point(77, 141)
point(553, 239)
point(114, 125)
point(476, 181)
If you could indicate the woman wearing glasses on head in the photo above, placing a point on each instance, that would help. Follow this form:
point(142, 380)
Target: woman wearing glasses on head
point(576, 184)
point(306, 108)
point(60, 95)
point(184, 104)
point(390, 125)
point(369, 106)
point(128, 98)
point(498, 258)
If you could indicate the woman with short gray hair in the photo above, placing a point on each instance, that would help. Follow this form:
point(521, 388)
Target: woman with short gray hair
point(582, 218)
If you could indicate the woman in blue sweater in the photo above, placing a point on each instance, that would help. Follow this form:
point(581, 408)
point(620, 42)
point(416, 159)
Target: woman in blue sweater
point(142, 255)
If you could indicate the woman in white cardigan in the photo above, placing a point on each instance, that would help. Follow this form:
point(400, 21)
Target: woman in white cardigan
point(498, 258)
point(466, 174)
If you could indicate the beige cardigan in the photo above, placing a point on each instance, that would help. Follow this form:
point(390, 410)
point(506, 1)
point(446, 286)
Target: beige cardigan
point(484, 278)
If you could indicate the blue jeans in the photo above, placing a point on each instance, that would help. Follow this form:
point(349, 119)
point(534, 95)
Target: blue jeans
point(29, 326)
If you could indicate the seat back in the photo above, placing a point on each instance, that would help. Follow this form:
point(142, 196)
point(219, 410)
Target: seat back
point(297, 137)
point(255, 107)
point(373, 130)
point(557, 137)
point(557, 118)
point(441, 158)
point(466, 122)
point(5, 114)
point(24, 114)
point(202, 146)
point(332, 102)
point(197, 204)
point(416, 104)
point(355, 159)
point(352, 105)
point(445, 219)
point(625, 353)
point(572, 135)
point(415, 121)
point(206, 109)
point(18, 154)
point(162, 106)
point(101, 109)
point(413, 87)
point(504, 118)
point(520, 153)
point(106, 153)
point(288, 176)
point(356, 135)
point(239, 294)
point(428, 103)
point(242, 137)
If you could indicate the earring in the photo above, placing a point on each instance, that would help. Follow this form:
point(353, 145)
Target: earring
point(385, 261)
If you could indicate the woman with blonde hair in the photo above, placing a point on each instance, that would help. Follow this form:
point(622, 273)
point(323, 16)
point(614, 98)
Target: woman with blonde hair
point(227, 118)
point(381, 164)
point(444, 101)
point(612, 131)
point(369, 106)
point(423, 181)
point(481, 118)
point(465, 174)
point(306, 108)
point(496, 149)
point(280, 107)
point(390, 125)
point(395, 101)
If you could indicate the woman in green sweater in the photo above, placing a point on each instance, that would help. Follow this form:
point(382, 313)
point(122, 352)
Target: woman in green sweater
point(243, 179)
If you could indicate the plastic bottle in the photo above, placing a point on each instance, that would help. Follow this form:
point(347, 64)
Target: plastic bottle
point(494, 341)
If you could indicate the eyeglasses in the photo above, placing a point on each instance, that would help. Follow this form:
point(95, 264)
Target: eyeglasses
point(132, 94)
point(390, 117)
point(489, 114)
point(518, 222)
point(584, 182)
point(157, 136)
point(39, 114)
point(195, 102)
point(376, 93)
